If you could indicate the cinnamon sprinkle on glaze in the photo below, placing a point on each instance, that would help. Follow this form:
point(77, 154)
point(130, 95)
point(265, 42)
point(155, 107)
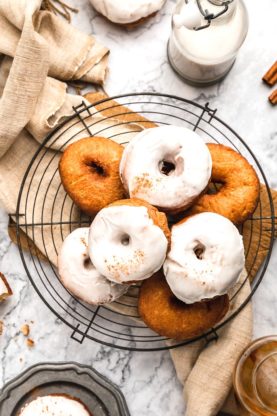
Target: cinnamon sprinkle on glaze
point(127, 267)
point(142, 183)
point(84, 242)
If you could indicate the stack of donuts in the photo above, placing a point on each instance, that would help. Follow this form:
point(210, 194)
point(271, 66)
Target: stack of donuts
point(162, 176)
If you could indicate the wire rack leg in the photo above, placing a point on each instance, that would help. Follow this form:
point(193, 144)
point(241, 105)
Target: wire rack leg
point(211, 336)
point(79, 336)
point(79, 109)
point(207, 110)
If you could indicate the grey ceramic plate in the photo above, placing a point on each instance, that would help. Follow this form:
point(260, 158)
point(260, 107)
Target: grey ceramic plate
point(101, 397)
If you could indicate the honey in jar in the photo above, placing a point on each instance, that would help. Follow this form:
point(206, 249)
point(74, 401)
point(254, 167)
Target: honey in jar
point(255, 378)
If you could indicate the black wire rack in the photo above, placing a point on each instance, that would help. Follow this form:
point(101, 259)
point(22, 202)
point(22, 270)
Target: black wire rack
point(47, 215)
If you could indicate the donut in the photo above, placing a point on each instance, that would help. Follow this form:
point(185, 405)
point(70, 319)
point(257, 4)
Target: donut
point(168, 316)
point(55, 405)
point(89, 171)
point(78, 274)
point(239, 193)
point(128, 241)
point(168, 166)
point(205, 259)
point(128, 12)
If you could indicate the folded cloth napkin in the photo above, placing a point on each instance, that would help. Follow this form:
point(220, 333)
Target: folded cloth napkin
point(205, 370)
point(40, 44)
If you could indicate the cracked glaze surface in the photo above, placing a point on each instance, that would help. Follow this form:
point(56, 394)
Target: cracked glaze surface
point(138, 63)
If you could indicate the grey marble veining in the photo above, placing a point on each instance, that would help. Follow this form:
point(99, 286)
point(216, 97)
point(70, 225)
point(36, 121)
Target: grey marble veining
point(138, 62)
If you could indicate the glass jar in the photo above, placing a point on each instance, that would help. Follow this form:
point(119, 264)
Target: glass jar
point(204, 55)
point(255, 377)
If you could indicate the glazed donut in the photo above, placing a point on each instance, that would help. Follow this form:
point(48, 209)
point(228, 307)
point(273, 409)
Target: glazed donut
point(169, 317)
point(89, 170)
point(238, 196)
point(78, 274)
point(205, 259)
point(54, 405)
point(128, 241)
point(168, 166)
point(128, 11)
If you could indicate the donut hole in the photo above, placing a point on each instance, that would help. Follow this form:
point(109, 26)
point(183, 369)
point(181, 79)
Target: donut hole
point(214, 188)
point(177, 303)
point(125, 239)
point(87, 263)
point(96, 168)
point(199, 251)
point(167, 167)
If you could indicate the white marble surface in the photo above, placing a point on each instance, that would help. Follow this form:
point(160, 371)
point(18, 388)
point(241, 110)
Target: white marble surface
point(138, 63)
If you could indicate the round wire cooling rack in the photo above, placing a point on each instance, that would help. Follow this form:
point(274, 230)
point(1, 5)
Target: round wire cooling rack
point(47, 215)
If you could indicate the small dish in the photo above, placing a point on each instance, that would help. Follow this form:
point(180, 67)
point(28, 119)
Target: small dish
point(254, 378)
point(101, 397)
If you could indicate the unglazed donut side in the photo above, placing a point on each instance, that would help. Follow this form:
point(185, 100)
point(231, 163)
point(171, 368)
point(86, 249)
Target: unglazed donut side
point(132, 25)
point(89, 170)
point(169, 317)
point(238, 196)
point(129, 12)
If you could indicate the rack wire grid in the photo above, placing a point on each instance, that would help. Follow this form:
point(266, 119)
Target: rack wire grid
point(47, 215)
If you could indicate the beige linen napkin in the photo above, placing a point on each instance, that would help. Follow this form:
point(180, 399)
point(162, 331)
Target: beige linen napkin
point(206, 371)
point(40, 44)
point(53, 104)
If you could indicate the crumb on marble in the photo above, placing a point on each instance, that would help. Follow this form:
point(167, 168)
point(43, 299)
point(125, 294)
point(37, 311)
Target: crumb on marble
point(30, 342)
point(25, 329)
point(1, 327)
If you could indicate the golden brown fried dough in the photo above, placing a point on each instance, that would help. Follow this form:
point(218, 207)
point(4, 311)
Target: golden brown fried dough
point(89, 170)
point(168, 316)
point(238, 196)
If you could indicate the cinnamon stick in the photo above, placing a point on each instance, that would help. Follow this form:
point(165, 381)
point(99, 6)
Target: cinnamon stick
point(273, 97)
point(270, 77)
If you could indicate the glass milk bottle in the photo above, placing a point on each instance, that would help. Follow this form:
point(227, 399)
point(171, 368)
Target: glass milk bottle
point(205, 39)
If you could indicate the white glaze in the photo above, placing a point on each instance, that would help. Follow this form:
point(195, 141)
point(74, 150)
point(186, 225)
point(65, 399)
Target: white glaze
point(144, 252)
point(140, 167)
point(127, 11)
point(54, 406)
point(79, 275)
point(192, 279)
